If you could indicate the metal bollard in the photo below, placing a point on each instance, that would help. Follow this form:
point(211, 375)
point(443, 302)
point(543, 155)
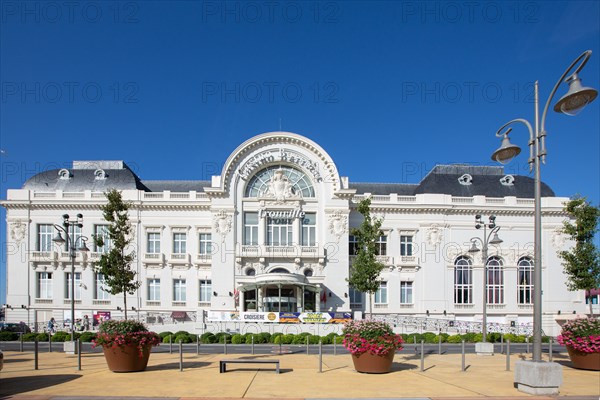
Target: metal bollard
point(463, 356)
point(502, 343)
point(307, 345)
point(334, 346)
point(252, 344)
point(550, 349)
point(224, 344)
point(21, 342)
point(440, 345)
point(320, 356)
point(508, 355)
point(527, 341)
point(280, 344)
point(180, 356)
point(78, 344)
point(35, 354)
point(422, 355)
point(49, 342)
point(170, 344)
point(198, 345)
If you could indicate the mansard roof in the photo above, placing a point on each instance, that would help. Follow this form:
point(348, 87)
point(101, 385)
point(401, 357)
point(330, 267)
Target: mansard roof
point(455, 180)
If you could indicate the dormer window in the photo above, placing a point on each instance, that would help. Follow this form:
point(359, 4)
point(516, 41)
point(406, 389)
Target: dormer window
point(465, 179)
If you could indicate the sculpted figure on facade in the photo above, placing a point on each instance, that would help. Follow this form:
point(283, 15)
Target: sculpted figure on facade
point(17, 231)
point(338, 224)
point(434, 235)
point(222, 223)
point(280, 187)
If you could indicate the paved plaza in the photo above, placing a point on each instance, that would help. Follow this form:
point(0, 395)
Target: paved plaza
point(58, 377)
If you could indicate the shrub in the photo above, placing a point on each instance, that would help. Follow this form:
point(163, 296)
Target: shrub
point(7, 336)
point(430, 337)
point(208, 337)
point(314, 339)
point(455, 339)
point(274, 336)
point(237, 339)
point(182, 337)
point(164, 334)
point(61, 336)
point(265, 337)
point(42, 337)
point(87, 337)
point(222, 337)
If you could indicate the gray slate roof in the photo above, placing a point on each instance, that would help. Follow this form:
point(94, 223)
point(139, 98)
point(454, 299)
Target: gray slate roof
point(443, 179)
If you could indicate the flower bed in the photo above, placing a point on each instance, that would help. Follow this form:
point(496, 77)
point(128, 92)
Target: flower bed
point(582, 334)
point(373, 337)
point(125, 333)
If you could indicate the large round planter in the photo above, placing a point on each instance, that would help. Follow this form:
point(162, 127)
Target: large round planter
point(126, 358)
point(373, 364)
point(583, 360)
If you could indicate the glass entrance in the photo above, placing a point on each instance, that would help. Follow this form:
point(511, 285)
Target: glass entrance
point(286, 303)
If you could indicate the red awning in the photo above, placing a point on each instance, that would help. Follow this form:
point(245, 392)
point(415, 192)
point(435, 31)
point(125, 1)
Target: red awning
point(593, 292)
point(178, 315)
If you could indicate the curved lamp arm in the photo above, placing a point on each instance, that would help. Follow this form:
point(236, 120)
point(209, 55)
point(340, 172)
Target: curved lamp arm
point(585, 56)
point(510, 148)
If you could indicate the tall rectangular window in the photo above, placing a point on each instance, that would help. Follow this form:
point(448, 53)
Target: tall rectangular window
point(279, 231)
point(102, 231)
point(205, 291)
point(250, 228)
point(352, 245)
point(356, 297)
point(525, 280)
point(406, 293)
point(44, 285)
point(153, 243)
point(406, 245)
point(205, 244)
point(381, 293)
point(45, 235)
point(99, 288)
point(179, 243)
point(77, 286)
point(154, 289)
point(495, 281)
point(309, 229)
point(463, 281)
point(381, 246)
point(178, 289)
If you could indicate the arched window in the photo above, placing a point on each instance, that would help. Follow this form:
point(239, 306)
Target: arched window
point(463, 280)
point(279, 271)
point(495, 280)
point(525, 280)
point(298, 183)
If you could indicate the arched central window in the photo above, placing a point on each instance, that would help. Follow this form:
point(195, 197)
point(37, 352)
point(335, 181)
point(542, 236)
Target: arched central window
point(292, 181)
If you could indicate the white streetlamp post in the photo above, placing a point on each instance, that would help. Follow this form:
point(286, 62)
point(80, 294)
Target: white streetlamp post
point(526, 373)
point(70, 241)
point(484, 348)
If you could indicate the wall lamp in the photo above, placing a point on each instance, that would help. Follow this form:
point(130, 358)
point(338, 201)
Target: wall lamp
point(23, 306)
point(558, 312)
point(215, 294)
point(119, 308)
point(133, 308)
point(230, 294)
point(345, 294)
point(427, 312)
point(329, 294)
point(7, 306)
point(444, 313)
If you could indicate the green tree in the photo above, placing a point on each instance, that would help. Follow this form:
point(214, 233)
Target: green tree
point(115, 265)
point(582, 262)
point(365, 269)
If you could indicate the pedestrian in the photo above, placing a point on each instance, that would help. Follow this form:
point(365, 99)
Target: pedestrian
point(51, 324)
point(86, 323)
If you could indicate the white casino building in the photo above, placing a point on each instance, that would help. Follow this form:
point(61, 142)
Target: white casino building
point(268, 240)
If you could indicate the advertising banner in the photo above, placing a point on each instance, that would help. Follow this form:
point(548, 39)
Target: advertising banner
point(281, 317)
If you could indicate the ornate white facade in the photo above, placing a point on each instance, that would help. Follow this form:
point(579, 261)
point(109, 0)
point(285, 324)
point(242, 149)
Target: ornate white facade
point(271, 234)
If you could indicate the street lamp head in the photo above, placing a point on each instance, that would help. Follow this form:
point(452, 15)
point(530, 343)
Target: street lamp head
point(507, 151)
point(83, 247)
point(58, 238)
point(474, 248)
point(79, 216)
point(496, 239)
point(576, 98)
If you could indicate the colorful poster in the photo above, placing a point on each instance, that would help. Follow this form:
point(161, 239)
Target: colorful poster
point(260, 317)
point(100, 316)
point(289, 317)
point(340, 317)
point(315, 317)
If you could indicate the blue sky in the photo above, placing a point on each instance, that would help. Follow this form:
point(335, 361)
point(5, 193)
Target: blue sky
point(389, 89)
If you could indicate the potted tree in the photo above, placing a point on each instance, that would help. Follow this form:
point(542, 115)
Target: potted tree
point(126, 344)
point(365, 269)
point(581, 337)
point(372, 345)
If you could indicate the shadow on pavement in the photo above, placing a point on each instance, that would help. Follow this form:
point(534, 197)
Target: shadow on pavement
point(13, 386)
point(175, 365)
